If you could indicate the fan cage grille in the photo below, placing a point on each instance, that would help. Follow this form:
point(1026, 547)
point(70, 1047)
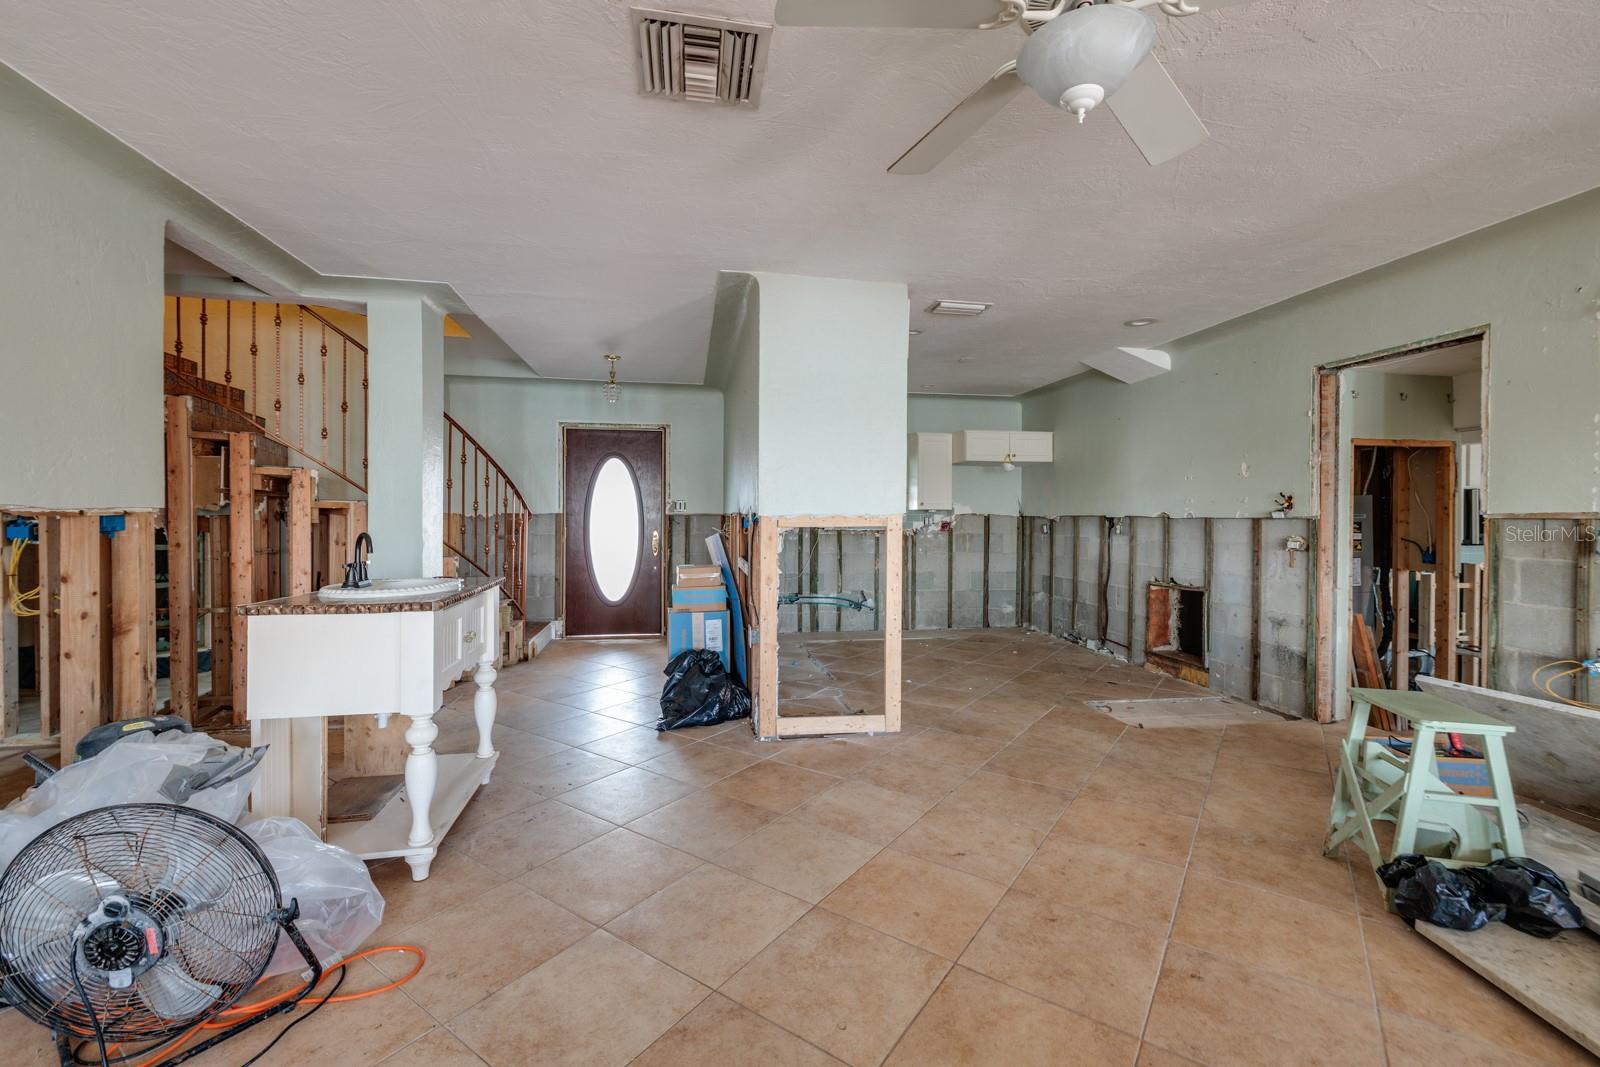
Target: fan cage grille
point(202, 883)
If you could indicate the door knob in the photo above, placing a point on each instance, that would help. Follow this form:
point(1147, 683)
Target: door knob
point(655, 542)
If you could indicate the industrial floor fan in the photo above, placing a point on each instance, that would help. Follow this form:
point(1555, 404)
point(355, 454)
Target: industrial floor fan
point(125, 928)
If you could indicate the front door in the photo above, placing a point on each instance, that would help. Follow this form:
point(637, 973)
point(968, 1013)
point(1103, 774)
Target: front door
point(613, 495)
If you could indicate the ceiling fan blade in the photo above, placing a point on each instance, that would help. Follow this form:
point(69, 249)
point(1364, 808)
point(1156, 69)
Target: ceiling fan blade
point(1156, 115)
point(961, 123)
point(918, 14)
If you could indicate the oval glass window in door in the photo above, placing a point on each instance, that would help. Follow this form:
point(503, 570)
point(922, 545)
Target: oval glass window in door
point(614, 522)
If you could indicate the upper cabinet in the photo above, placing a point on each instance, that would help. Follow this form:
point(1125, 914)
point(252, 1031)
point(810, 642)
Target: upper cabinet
point(928, 474)
point(1003, 446)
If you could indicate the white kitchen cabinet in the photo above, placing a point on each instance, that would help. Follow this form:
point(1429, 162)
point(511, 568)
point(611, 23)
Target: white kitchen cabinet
point(1002, 446)
point(928, 475)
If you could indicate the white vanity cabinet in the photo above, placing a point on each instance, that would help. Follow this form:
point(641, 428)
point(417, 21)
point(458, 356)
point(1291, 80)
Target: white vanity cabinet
point(310, 659)
point(1004, 446)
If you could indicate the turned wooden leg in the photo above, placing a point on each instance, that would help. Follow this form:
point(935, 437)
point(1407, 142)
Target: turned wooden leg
point(484, 703)
point(420, 865)
point(422, 774)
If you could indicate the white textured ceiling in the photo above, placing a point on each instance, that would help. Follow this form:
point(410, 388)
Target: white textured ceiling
point(499, 146)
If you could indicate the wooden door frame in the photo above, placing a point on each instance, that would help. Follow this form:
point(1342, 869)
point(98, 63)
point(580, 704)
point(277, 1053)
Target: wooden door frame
point(1331, 646)
point(561, 518)
point(763, 658)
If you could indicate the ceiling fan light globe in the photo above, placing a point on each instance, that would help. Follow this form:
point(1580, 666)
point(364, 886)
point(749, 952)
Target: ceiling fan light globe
point(1094, 47)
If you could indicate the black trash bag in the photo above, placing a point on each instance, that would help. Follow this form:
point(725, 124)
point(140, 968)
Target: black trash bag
point(1428, 890)
point(699, 692)
point(1535, 899)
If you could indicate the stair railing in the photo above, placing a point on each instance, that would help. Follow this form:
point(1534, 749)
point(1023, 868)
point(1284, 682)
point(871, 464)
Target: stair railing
point(486, 520)
point(303, 378)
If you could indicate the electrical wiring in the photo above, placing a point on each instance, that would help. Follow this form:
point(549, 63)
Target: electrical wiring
point(23, 604)
point(1427, 518)
point(230, 1016)
point(1545, 685)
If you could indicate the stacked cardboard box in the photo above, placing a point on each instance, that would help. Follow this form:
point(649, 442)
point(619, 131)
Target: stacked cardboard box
point(699, 616)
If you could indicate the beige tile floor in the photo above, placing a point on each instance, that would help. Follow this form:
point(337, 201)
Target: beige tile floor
point(1015, 879)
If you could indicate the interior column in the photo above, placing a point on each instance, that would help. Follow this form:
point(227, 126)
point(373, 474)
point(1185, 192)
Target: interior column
point(405, 428)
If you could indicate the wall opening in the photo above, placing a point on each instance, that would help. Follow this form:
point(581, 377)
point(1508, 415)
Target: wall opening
point(1175, 630)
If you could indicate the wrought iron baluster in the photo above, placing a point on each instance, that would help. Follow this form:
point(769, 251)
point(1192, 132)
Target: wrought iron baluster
point(300, 377)
point(277, 364)
point(324, 391)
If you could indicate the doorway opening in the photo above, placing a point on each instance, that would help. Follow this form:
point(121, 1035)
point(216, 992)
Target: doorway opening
point(1400, 477)
point(613, 500)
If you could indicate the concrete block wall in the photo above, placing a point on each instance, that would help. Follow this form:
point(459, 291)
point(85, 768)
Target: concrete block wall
point(846, 562)
point(543, 585)
point(1140, 550)
point(1547, 576)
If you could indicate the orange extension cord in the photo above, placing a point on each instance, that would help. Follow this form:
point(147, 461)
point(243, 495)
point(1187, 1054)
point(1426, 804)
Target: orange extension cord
point(229, 1016)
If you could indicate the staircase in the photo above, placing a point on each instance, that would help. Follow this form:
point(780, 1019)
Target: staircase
point(486, 520)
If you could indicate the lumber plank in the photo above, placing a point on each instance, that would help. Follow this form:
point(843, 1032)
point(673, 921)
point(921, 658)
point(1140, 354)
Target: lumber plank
point(892, 544)
point(1327, 537)
point(302, 490)
point(181, 655)
point(766, 579)
point(133, 618)
point(1447, 611)
point(241, 560)
point(82, 681)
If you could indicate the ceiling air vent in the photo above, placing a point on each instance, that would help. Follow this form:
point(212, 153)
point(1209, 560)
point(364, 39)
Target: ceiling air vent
point(701, 59)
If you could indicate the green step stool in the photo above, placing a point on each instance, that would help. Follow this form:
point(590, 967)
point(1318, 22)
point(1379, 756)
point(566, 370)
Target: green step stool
point(1376, 782)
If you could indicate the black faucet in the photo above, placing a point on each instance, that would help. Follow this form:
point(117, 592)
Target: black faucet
point(355, 572)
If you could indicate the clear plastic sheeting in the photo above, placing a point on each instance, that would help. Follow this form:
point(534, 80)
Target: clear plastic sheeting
point(132, 771)
point(340, 906)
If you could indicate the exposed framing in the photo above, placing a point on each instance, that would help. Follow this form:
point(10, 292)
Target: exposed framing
point(1332, 645)
point(769, 723)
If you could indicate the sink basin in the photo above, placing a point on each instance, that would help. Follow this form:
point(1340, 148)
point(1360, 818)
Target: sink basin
point(383, 589)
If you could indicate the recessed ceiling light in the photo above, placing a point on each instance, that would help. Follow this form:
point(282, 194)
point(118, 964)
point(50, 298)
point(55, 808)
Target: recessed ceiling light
point(916, 333)
point(957, 307)
point(1141, 322)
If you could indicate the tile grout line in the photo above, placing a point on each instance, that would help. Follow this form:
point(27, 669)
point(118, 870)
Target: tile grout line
point(990, 914)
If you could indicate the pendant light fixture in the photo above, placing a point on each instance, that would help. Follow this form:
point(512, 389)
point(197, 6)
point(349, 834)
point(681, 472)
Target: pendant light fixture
point(611, 390)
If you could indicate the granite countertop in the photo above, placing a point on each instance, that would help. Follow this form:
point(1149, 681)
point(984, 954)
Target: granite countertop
point(311, 604)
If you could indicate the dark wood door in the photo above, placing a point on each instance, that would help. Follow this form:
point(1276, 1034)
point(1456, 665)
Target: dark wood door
point(613, 495)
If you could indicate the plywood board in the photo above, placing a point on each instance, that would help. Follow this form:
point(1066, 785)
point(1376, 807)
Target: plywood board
point(1552, 754)
point(1557, 979)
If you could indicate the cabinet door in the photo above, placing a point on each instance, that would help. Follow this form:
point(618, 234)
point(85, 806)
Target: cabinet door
point(929, 475)
point(1030, 446)
point(982, 446)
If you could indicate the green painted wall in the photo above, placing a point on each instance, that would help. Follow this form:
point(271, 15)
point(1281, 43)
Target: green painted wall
point(1231, 425)
point(83, 220)
point(1398, 405)
point(986, 490)
point(519, 421)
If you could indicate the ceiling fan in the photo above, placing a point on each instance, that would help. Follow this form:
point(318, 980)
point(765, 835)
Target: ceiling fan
point(1079, 54)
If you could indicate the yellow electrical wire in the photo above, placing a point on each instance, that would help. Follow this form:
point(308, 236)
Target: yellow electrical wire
point(18, 600)
point(1545, 684)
